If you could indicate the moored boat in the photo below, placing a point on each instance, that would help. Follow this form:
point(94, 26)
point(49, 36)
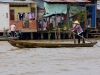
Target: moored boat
point(47, 44)
point(5, 38)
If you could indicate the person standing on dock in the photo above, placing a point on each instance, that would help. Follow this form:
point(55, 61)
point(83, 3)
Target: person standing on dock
point(58, 20)
point(44, 24)
point(79, 30)
point(13, 28)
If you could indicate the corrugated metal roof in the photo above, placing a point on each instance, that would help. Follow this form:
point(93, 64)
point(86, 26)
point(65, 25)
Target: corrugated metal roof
point(40, 3)
point(12, 1)
point(67, 0)
point(98, 5)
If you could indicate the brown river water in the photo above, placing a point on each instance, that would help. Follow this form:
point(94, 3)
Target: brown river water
point(49, 61)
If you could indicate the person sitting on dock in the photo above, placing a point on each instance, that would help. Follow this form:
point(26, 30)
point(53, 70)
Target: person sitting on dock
point(79, 30)
point(9, 33)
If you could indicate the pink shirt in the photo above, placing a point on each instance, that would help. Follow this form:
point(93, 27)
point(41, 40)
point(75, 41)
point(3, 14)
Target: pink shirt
point(78, 28)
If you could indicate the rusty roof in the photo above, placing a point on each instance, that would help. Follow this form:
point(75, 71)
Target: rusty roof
point(67, 1)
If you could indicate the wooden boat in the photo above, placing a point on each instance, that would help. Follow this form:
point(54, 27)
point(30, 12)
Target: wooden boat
point(46, 44)
point(5, 38)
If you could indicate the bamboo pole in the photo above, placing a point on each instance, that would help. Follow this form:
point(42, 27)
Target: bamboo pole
point(74, 38)
point(68, 9)
point(58, 33)
point(77, 34)
point(55, 26)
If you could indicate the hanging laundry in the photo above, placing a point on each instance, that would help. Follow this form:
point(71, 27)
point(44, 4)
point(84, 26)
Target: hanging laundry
point(33, 16)
point(27, 15)
point(19, 16)
point(23, 15)
point(44, 24)
point(30, 16)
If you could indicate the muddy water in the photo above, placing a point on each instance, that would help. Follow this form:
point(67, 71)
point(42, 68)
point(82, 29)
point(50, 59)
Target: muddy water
point(49, 61)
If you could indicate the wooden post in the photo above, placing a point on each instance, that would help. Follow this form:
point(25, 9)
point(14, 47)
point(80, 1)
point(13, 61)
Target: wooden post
point(58, 33)
point(74, 38)
point(4, 33)
point(63, 34)
point(21, 35)
point(68, 8)
point(31, 35)
point(55, 26)
point(41, 35)
point(48, 35)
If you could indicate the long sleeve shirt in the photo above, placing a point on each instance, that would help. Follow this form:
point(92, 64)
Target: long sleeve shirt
point(78, 28)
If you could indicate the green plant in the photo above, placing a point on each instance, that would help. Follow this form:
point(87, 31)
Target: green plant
point(71, 23)
point(63, 25)
point(81, 16)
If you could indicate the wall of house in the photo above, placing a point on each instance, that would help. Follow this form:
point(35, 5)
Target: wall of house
point(19, 23)
point(15, 0)
point(35, 6)
point(4, 16)
point(20, 10)
point(19, 26)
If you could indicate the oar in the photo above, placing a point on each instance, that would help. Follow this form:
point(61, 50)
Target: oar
point(81, 36)
point(76, 34)
point(84, 38)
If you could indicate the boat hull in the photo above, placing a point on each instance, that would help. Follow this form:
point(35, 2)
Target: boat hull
point(34, 44)
point(4, 38)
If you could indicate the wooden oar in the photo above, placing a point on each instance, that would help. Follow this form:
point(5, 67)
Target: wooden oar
point(76, 34)
point(81, 36)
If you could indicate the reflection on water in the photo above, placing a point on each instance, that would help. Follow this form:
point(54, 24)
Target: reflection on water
point(49, 61)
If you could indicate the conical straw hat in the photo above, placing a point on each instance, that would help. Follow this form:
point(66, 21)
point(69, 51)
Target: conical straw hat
point(74, 25)
point(76, 22)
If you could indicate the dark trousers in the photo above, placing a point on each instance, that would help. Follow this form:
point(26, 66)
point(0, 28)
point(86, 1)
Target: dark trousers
point(59, 24)
point(51, 26)
point(79, 38)
point(12, 33)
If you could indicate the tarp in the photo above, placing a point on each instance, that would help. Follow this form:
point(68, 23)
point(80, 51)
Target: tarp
point(55, 8)
point(60, 9)
point(48, 14)
point(66, 1)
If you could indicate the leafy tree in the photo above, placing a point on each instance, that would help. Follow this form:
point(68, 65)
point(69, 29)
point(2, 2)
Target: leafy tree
point(81, 16)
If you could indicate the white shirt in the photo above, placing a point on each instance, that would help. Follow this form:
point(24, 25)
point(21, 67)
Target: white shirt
point(58, 19)
point(44, 24)
point(50, 20)
point(12, 27)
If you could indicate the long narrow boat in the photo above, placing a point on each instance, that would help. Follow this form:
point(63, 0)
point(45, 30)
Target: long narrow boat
point(5, 38)
point(46, 44)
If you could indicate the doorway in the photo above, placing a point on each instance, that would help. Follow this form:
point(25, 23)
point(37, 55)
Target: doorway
point(91, 15)
point(11, 14)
